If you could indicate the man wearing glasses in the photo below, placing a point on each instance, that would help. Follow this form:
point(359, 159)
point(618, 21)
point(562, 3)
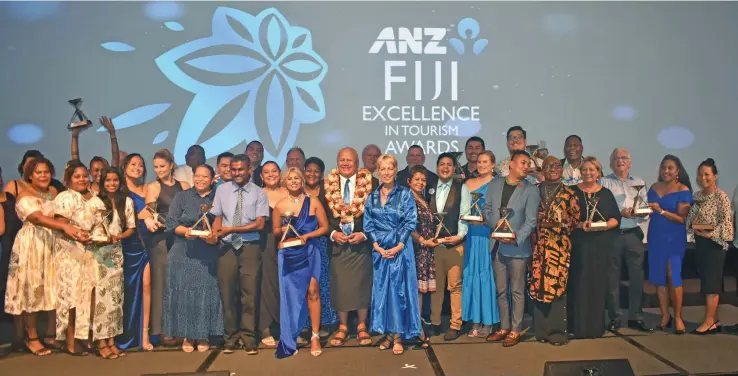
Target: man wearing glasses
point(629, 243)
point(517, 141)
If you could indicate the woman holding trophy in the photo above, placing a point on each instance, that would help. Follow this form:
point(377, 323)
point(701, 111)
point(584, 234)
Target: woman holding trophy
point(711, 222)
point(192, 306)
point(115, 220)
point(390, 216)
point(591, 243)
point(298, 220)
point(558, 215)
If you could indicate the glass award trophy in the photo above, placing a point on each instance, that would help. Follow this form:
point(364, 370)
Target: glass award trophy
point(503, 230)
point(293, 241)
point(81, 120)
point(592, 211)
point(203, 222)
point(475, 212)
point(640, 207)
point(101, 233)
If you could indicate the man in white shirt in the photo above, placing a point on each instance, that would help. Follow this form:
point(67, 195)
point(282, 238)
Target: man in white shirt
point(573, 160)
point(195, 156)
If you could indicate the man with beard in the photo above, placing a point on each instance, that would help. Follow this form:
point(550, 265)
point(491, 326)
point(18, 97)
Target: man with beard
point(474, 146)
point(255, 152)
point(517, 140)
point(346, 191)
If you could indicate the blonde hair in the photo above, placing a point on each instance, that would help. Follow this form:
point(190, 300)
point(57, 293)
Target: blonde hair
point(286, 173)
point(596, 163)
point(490, 154)
point(387, 158)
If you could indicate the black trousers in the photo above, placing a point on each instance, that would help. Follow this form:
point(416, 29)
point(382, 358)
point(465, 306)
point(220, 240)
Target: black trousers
point(549, 320)
point(238, 272)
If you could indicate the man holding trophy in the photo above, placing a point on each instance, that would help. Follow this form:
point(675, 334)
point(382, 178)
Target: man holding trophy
point(632, 201)
point(240, 208)
point(511, 210)
point(450, 200)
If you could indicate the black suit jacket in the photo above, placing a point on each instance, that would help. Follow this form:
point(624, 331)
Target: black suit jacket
point(430, 182)
point(334, 224)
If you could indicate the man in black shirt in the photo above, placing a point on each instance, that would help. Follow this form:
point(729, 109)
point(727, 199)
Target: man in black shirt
point(474, 146)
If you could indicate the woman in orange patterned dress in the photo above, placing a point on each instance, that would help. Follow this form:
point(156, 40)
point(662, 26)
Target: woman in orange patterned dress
point(558, 215)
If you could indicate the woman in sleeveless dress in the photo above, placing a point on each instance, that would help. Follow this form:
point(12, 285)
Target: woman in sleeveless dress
point(137, 277)
point(670, 199)
point(478, 291)
point(9, 228)
point(269, 307)
point(159, 196)
point(299, 265)
point(31, 273)
point(314, 171)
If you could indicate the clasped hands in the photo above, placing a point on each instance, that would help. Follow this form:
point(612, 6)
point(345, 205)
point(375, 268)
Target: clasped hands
point(353, 238)
point(387, 253)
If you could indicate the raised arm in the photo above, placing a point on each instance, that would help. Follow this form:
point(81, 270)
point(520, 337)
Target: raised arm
point(108, 124)
point(75, 143)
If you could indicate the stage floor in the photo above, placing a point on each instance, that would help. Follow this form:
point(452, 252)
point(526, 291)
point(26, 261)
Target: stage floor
point(649, 354)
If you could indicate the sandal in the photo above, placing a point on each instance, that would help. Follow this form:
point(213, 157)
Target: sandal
point(110, 354)
point(339, 341)
point(424, 341)
point(203, 346)
point(269, 342)
point(51, 342)
point(147, 347)
point(365, 340)
point(66, 350)
point(187, 347)
point(117, 351)
point(43, 351)
point(397, 347)
point(385, 344)
point(320, 350)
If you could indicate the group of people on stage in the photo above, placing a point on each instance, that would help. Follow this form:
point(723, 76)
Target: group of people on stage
point(229, 253)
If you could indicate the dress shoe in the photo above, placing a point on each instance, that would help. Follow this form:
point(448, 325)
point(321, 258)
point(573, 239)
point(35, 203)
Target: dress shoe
point(511, 340)
point(713, 329)
point(451, 335)
point(639, 325)
point(497, 336)
point(613, 325)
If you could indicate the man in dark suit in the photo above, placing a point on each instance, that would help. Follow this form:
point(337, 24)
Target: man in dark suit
point(351, 252)
point(416, 157)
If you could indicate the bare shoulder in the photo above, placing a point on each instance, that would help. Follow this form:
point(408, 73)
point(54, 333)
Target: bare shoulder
point(683, 187)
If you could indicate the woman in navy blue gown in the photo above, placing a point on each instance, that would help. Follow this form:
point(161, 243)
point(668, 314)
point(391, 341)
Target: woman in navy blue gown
point(390, 216)
point(299, 266)
point(670, 199)
point(136, 276)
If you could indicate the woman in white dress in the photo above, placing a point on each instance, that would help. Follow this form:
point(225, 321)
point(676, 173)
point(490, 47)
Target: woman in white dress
point(31, 274)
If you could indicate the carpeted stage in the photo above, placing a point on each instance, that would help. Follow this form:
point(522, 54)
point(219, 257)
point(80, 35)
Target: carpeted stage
point(649, 354)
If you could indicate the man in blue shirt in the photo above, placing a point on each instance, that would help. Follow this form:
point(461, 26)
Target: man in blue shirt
point(240, 208)
point(629, 243)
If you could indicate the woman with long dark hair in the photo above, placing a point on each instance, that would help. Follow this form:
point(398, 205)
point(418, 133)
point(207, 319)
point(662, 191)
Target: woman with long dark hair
point(11, 224)
point(117, 221)
point(670, 199)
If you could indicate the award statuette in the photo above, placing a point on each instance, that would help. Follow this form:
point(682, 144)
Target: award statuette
point(639, 209)
point(537, 152)
point(82, 120)
point(440, 217)
point(152, 208)
point(558, 216)
point(101, 234)
point(475, 213)
point(458, 171)
point(591, 211)
point(204, 222)
point(698, 225)
point(503, 230)
point(290, 242)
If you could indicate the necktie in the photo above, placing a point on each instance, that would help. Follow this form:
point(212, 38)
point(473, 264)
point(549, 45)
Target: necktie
point(346, 227)
point(236, 239)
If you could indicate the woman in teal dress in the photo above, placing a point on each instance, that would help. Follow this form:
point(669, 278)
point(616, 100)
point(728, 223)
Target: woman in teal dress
point(390, 216)
point(670, 199)
point(478, 291)
point(299, 265)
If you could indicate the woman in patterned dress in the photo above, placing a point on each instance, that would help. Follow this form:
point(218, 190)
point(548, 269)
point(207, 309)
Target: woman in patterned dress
point(314, 171)
point(192, 306)
point(11, 224)
point(74, 265)
point(558, 215)
point(423, 241)
point(116, 219)
point(31, 278)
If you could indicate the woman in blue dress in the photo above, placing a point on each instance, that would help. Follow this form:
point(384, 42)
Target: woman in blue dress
point(478, 291)
point(192, 306)
point(390, 216)
point(136, 276)
point(670, 199)
point(299, 265)
point(314, 171)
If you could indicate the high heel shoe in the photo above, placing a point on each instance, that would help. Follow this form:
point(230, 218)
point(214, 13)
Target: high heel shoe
point(668, 324)
point(319, 351)
point(713, 329)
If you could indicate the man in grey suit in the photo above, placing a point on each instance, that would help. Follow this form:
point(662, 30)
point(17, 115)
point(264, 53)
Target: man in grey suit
point(511, 255)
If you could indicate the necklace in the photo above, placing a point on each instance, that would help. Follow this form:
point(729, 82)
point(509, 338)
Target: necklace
point(297, 199)
point(384, 193)
point(549, 197)
point(46, 196)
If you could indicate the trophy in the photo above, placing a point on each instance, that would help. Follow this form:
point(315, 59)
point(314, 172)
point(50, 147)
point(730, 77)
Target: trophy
point(440, 217)
point(503, 230)
point(206, 229)
point(591, 211)
point(458, 171)
point(290, 242)
point(537, 152)
point(697, 225)
point(637, 200)
point(558, 214)
point(475, 213)
point(101, 233)
point(82, 120)
point(152, 208)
